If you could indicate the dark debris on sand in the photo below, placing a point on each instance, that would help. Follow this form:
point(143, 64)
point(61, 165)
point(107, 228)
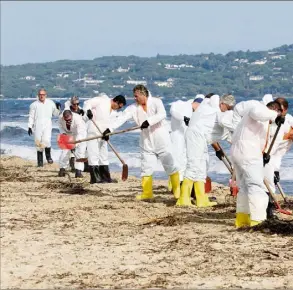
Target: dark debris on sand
point(275, 226)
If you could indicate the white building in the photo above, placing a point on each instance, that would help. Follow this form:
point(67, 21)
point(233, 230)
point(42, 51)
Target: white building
point(279, 56)
point(259, 62)
point(241, 60)
point(133, 82)
point(256, 78)
point(28, 78)
point(59, 88)
point(122, 70)
point(93, 82)
point(178, 66)
point(167, 84)
point(118, 86)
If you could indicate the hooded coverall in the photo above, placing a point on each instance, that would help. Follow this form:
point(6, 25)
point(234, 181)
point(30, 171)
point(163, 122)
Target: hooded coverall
point(280, 147)
point(98, 149)
point(248, 142)
point(40, 120)
point(178, 111)
point(155, 142)
point(206, 126)
point(240, 109)
point(78, 131)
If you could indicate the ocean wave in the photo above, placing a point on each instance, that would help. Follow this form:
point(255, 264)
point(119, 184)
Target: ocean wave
point(12, 132)
point(217, 170)
point(26, 152)
point(24, 125)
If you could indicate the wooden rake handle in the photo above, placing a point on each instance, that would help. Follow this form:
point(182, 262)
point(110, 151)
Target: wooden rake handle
point(109, 134)
point(226, 156)
point(111, 146)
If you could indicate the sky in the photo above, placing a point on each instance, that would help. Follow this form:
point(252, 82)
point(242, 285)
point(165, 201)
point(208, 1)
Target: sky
point(44, 31)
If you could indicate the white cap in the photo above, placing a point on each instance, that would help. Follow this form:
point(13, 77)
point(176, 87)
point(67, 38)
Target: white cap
point(199, 96)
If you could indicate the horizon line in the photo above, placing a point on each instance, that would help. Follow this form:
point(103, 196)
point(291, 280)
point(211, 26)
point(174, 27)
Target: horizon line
point(132, 55)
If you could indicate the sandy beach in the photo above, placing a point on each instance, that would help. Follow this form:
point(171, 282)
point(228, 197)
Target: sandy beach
point(62, 233)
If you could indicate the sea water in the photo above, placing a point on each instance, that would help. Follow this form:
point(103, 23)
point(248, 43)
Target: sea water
point(15, 141)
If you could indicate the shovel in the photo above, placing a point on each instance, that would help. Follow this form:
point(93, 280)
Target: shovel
point(79, 159)
point(281, 191)
point(68, 141)
point(232, 183)
point(226, 156)
point(124, 165)
point(277, 205)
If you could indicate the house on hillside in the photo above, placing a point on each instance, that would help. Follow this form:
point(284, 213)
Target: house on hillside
point(168, 84)
point(259, 62)
point(93, 82)
point(59, 88)
point(133, 82)
point(279, 56)
point(28, 78)
point(256, 78)
point(122, 70)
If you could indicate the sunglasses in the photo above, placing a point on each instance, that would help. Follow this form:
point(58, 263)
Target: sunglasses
point(75, 104)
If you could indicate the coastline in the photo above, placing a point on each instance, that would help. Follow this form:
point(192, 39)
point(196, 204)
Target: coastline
point(57, 233)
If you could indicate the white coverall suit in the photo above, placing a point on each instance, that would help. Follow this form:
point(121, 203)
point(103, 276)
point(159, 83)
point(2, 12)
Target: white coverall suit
point(155, 143)
point(67, 106)
point(241, 108)
point(207, 125)
point(178, 110)
point(280, 148)
point(40, 121)
point(98, 149)
point(78, 131)
point(248, 143)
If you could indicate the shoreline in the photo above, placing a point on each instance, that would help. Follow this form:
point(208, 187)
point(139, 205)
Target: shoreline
point(71, 234)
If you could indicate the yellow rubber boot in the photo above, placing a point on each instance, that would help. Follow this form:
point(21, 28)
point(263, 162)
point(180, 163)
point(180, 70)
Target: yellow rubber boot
point(169, 184)
point(202, 199)
point(255, 223)
point(147, 188)
point(184, 199)
point(175, 181)
point(242, 220)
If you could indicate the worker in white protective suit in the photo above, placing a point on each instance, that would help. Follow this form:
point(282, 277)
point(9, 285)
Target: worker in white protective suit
point(180, 116)
point(282, 145)
point(72, 124)
point(248, 143)
point(206, 127)
point(155, 143)
point(99, 110)
point(240, 109)
point(73, 105)
point(40, 124)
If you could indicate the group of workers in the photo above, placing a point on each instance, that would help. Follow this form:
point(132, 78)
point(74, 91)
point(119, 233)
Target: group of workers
point(248, 126)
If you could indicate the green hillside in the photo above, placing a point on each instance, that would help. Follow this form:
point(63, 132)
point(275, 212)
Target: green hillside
point(247, 74)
